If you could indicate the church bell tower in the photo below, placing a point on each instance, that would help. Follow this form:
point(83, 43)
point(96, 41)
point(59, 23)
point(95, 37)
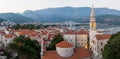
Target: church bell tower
point(92, 34)
point(92, 31)
point(92, 20)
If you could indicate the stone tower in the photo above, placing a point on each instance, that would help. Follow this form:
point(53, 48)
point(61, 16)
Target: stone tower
point(92, 31)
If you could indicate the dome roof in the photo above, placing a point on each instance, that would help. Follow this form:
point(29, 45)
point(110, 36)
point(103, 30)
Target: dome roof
point(64, 44)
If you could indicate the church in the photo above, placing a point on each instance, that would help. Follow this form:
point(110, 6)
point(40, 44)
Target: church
point(97, 40)
point(83, 44)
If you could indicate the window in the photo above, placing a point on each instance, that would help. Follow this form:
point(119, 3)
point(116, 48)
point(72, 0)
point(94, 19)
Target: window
point(85, 43)
point(101, 43)
point(71, 40)
point(5, 40)
point(81, 39)
point(81, 43)
point(101, 49)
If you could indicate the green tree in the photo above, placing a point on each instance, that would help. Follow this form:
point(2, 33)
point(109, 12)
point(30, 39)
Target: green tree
point(16, 26)
point(112, 48)
point(25, 48)
point(27, 26)
point(5, 53)
point(58, 38)
point(39, 26)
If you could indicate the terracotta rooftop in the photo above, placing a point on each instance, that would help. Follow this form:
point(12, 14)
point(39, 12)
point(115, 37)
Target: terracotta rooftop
point(30, 33)
point(79, 53)
point(33, 34)
point(70, 32)
point(24, 32)
point(44, 32)
point(103, 37)
point(82, 31)
point(64, 44)
point(16, 30)
point(8, 36)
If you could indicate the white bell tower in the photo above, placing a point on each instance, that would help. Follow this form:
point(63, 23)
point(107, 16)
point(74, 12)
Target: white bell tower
point(92, 33)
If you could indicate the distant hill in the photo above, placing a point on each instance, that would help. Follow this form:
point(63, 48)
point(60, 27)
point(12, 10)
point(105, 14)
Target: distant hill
point(108, 19)
point(67, 13)
point(80, 14)
point(15, 17)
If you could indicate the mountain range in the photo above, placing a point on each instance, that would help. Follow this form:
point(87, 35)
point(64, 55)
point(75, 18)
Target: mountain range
point(61, 14)
point(17, 18)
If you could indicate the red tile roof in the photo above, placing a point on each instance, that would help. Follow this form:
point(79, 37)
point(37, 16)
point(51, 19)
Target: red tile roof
point(82, 31)
point(16, 30)
point(70, 32)
point(33, 34)
point(64, 44)
point(24, 32)
point(79, 53)
point(30, 33)
point(44, 32)
point(9, 36)
point(103, 37)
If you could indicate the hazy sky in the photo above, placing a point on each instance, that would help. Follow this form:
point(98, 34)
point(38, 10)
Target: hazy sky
point(22, 5)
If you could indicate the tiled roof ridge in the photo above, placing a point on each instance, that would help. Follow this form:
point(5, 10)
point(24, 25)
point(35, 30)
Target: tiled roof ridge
point(8, 35)
point(64, 44)
point(103, 36)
